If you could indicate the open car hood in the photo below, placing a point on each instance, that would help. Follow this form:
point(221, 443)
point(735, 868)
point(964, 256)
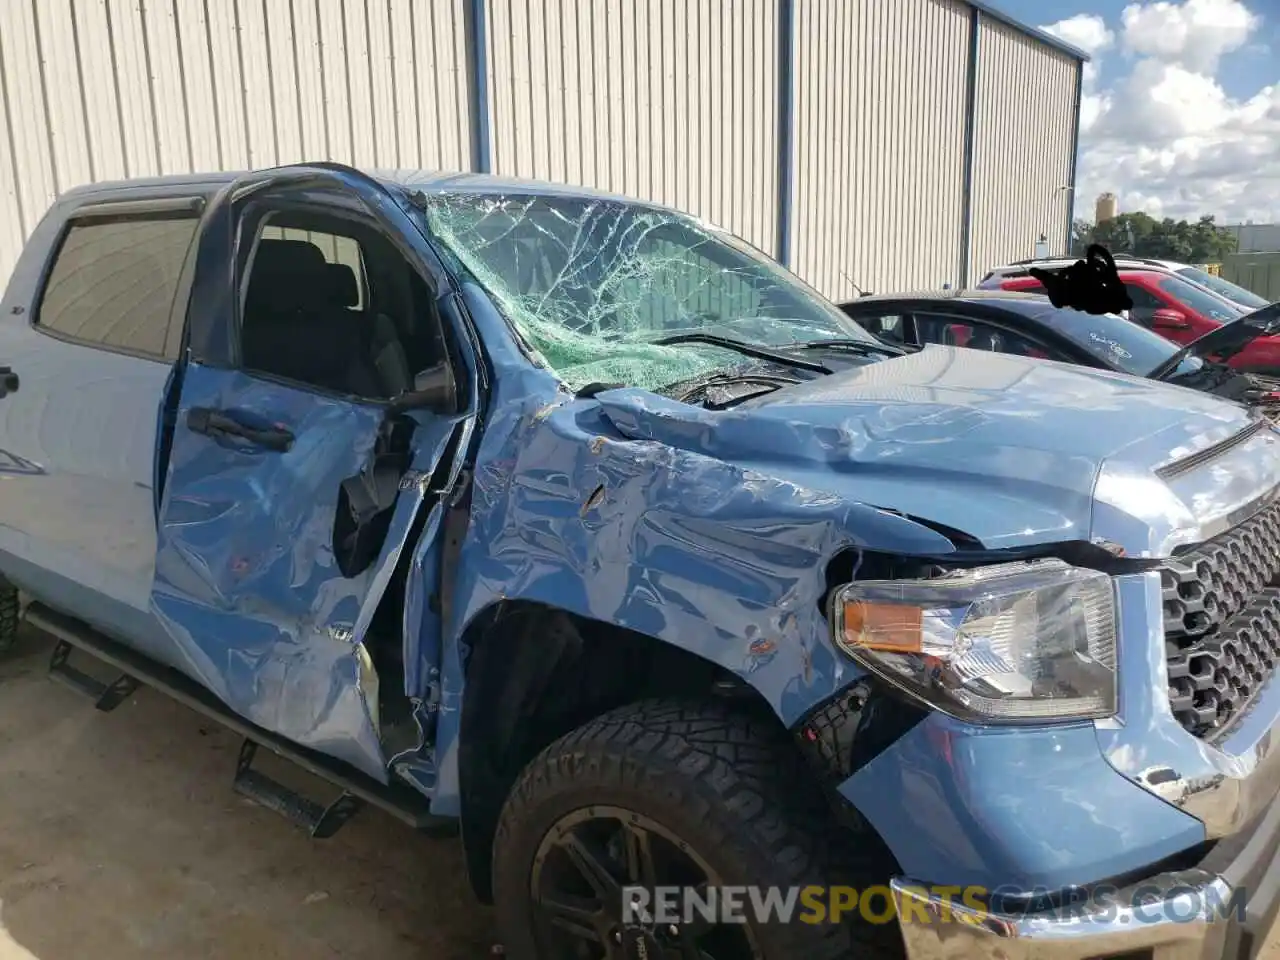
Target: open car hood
point(1231, 338)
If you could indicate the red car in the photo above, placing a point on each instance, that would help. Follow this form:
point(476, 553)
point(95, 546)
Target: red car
point(1175, 308)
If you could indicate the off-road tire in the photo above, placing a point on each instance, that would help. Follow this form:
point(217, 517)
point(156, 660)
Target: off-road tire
point(729, 785)
point(8, 616)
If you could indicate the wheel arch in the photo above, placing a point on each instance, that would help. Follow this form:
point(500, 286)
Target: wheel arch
point(534, 672)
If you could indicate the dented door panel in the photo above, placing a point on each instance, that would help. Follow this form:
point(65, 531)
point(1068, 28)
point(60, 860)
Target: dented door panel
point(247, 582)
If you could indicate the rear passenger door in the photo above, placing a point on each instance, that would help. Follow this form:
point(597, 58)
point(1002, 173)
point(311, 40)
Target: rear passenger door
point(92, 336)
point(293, 485)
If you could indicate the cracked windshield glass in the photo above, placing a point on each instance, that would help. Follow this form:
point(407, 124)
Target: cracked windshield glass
point(591, 283)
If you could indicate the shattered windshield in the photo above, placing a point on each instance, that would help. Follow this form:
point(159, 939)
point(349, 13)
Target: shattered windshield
point(591, 283)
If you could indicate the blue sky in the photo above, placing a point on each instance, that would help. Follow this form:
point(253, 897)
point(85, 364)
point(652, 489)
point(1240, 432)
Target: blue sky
point(1182, 102)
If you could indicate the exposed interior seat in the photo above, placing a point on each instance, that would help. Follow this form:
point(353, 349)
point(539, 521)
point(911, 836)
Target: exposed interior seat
point(294, 325)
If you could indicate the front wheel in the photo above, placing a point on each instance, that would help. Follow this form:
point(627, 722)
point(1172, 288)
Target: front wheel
point(685, 803)
point(8, 615)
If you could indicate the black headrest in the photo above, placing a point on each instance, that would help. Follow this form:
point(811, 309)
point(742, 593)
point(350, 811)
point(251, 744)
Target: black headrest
point(343, 289)
point(288, 257)
point(289, 275)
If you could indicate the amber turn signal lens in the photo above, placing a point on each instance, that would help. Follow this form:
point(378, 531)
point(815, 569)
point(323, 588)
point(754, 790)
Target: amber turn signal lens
point(892, 627)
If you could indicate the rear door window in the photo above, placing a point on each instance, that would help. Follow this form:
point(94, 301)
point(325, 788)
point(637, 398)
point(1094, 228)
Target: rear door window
point(113, 282)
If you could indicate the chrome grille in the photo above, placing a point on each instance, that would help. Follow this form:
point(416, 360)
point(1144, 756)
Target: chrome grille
point(1222, 623)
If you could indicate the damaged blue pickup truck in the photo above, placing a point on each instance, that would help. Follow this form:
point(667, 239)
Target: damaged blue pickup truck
point(581, 527)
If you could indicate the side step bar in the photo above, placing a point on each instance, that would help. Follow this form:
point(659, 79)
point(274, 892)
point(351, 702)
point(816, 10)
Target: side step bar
point(105, 696)
point(358, 789)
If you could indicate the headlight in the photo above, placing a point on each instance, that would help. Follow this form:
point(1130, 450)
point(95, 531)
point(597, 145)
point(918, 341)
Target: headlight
point(1014, 642)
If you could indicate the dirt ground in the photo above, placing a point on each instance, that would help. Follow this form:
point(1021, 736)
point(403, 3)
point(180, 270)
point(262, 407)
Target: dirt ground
point(121, 839)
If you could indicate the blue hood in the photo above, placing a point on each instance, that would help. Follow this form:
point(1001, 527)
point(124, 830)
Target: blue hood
point(1007, 449)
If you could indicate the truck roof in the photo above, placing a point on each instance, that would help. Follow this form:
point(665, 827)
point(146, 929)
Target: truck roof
point(428, 181)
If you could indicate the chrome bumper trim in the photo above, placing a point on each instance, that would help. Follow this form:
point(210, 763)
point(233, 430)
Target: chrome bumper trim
point(1189, 921)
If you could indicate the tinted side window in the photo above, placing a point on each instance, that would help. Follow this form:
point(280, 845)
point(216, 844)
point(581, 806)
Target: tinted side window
point(885, 326)
point(113, 283)
point(1145, 303)
point(962, 332)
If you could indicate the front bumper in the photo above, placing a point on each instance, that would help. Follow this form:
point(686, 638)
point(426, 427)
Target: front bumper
point(1222, 908)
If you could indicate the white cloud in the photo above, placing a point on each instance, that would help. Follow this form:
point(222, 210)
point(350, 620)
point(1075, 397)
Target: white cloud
point(1194, 34)
point(1087, 32)
point(1163, 134)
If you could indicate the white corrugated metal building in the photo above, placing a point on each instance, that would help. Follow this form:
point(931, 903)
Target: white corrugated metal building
point(888, 143)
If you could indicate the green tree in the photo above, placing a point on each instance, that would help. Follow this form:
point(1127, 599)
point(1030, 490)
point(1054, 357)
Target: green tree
point(1141, 235)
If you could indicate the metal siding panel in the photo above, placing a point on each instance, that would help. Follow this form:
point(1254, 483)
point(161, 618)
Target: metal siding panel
point(661, 100)
point(680, 123)
point(403, 60)
point(382, 83)
point(200, 101)
point(99, 85)
point(1023, 146)
point(559, 134)
point(66, 117)
point(443, 111)
point(311, 80)
point(498, 69)
point(878, 146)
point(12, 231)
point(137, 116)
point(523, 147)
point(282, 91)
point(109, 89)
point(364, 134)
point(29, 125)
point(335, 72)
point(255, 75)
point(534, 94)
point(643, 92)
point(168, 91)
point(229, 93)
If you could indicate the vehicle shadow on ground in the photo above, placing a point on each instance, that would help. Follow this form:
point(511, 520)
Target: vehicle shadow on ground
point(121, 838)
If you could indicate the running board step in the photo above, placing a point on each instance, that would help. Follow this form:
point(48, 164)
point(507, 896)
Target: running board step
point(396, 798)
point(105, 696)
point(319, 821)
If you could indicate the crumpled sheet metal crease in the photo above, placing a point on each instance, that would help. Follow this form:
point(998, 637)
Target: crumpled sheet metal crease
point(247, 585)
point(711, 556)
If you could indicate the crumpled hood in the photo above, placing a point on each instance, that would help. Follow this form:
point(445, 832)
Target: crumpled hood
point(1007, 449)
